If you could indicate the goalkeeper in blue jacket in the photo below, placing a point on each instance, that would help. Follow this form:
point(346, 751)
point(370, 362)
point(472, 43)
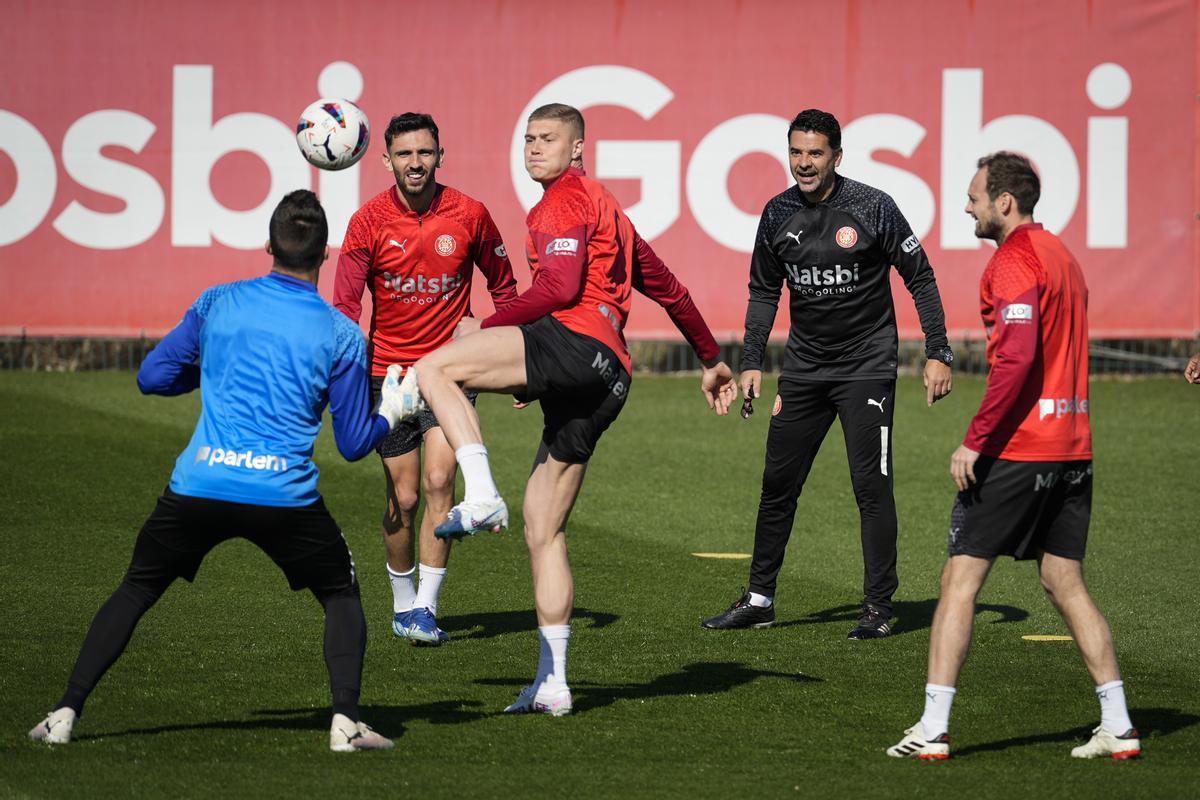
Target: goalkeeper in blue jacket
point(268, 355)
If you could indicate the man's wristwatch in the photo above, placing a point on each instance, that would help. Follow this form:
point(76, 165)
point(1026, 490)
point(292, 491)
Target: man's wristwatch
point(942, 354)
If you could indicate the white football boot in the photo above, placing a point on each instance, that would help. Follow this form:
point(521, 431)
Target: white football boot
point(1106, 743)
point(349, 737)
point(916, 744)
point(542, 700)
point(474, 516)
point(55, 728)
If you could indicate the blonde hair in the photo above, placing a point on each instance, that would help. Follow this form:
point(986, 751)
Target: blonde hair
point(568, 115)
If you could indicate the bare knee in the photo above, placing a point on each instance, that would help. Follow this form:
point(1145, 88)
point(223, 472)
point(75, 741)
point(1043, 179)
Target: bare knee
point(1061, 578)
point(427, 368)
point(540, 541)
point(401, 507)
point(963, 577)
point(438, 483)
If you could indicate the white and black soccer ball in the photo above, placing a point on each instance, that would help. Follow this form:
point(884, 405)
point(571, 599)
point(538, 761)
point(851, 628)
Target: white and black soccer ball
point(333, 134)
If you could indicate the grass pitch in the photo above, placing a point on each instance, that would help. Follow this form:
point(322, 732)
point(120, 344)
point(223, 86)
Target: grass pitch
point(223, 689)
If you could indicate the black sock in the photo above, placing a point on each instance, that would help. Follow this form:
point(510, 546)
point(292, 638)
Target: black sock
point(345, 644)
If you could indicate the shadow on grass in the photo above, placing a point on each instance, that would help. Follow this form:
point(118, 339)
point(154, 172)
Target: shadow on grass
point(497, 623)
point(388, 720)
point(914, 615)
point(703, 677)
point(1150, 722)
point(694, 679)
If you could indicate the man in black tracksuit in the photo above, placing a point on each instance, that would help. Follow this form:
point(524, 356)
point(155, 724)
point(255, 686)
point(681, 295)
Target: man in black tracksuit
point(833, 241)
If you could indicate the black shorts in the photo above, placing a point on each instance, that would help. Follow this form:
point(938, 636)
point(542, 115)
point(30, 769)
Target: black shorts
point(305, 542)
point(407, 435)
point(1019, 508)
point(580, 383)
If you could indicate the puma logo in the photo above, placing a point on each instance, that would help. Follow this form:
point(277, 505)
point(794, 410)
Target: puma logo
point(402, 245)
point(878, 402)
point(795, 235)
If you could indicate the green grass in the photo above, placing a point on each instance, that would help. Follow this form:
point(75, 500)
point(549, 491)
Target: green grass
point(223, 689)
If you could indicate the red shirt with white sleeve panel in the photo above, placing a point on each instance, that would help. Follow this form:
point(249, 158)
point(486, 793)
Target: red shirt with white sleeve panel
point(419, 270)
point(586, 257)
point(1033, 299)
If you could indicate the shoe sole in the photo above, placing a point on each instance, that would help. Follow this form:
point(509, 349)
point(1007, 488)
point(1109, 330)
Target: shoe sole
point(737, 627)
point(419, 642)
point(457, 534)
point(540, 709)
point(920, 756)
point(552, 712)
point(349, 748)
point(1120, 755)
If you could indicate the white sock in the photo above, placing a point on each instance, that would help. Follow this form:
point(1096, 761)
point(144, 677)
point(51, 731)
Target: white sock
point(1114, 716)
point(552, 662)
point(760, 600)
point(430, 586)
point(404, 593)
point(936, 719)
point(476, 472)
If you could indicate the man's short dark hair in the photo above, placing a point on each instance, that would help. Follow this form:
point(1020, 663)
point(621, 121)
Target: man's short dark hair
point(1012, 173)
point(409, 122)
point(568, 115)
point(814, 120)
point(299, 231)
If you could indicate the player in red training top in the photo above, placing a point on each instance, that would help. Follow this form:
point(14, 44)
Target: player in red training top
point(414, 246)
point(560, 343)
point(1024, 470)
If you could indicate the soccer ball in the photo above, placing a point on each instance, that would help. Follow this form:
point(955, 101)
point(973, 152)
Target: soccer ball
point(333, 134)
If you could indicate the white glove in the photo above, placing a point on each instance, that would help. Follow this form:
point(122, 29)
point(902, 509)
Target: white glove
point(400, 399)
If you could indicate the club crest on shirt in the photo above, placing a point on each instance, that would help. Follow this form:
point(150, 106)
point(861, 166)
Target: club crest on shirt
point(846, 237)
point(444, 245)
point(778, 405)
point(501, 251)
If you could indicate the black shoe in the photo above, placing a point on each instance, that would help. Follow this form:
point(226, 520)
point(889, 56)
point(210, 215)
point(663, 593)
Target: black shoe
point(873, 623)
point(742, 615)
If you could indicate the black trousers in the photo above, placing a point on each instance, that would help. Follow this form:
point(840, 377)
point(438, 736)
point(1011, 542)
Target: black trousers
point(802, 415)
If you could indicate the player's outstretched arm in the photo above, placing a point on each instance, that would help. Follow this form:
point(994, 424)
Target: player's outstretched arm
point(1192, 371)
point(357, 428)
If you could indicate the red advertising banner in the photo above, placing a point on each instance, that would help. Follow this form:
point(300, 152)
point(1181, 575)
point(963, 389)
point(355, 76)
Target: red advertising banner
point(143, 147)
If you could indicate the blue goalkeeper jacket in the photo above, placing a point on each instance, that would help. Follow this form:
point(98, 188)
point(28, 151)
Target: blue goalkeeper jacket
point(268, 355)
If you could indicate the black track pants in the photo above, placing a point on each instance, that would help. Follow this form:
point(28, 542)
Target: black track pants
point(805, 412)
